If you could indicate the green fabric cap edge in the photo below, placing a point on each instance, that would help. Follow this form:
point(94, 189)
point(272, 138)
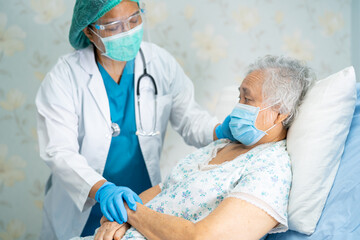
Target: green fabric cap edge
point(77, 38)
point(106, 8)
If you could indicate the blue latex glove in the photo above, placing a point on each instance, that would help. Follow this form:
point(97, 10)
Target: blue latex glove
point(223, 130)
point(111, 199)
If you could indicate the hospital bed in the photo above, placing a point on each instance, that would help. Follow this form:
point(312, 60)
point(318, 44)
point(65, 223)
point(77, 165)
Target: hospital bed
point(340, 219)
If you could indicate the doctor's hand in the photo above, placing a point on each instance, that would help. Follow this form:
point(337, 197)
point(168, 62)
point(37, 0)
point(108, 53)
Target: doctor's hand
point(110, 230)
point(223, 130)
point(111, 199)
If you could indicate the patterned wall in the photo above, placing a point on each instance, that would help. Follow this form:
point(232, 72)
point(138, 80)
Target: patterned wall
point(214, 40)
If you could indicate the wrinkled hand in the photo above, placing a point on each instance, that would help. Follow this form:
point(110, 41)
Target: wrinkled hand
point(111, 230)
point(111, 199)
point(223, 130)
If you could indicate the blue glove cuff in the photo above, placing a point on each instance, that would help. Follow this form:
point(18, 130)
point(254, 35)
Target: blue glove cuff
point(218, 132)
point(104, 186)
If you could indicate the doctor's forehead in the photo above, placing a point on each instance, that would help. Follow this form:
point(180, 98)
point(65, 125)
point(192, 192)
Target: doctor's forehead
point(121, 11)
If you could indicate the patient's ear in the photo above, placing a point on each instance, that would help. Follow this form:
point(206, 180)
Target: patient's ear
point(280, 118)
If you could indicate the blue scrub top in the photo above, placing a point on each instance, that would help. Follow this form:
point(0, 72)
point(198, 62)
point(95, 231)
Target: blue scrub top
point(125, 165)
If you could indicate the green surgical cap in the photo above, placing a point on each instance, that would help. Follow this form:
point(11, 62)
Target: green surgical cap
point(85, 13)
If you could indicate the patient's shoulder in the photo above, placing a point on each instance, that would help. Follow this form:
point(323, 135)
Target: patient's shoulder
point(273, 150)
point(272, 155)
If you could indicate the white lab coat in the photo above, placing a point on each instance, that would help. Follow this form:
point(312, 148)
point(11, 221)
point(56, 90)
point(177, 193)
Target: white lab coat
point(74, 129)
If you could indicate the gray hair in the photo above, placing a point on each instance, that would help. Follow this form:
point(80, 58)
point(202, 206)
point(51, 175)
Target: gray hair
point(287, 80)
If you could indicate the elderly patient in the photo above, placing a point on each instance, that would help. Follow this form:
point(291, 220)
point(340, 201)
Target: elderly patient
point(235, 189)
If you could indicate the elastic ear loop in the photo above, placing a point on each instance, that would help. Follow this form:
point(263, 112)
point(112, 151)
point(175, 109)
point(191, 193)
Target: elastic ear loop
point(273, 125)
point(270, 129)
point(266, 107)
point(100, 40)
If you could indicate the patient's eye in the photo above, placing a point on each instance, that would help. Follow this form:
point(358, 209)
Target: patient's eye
point(247, 100)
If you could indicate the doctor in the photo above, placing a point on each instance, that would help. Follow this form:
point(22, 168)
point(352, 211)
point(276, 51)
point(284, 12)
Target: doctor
point(102, 117)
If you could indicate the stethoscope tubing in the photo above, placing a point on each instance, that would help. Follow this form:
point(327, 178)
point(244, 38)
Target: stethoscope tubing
point(140, 132)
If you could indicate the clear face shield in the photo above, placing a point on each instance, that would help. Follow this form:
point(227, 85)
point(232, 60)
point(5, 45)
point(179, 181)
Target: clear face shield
point(114, 26)
point(118, 35)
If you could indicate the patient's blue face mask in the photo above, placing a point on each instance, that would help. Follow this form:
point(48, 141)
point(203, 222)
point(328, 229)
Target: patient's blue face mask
point(242, 124)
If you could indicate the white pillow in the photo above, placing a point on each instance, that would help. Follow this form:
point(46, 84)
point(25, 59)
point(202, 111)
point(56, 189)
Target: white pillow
point(315, 142)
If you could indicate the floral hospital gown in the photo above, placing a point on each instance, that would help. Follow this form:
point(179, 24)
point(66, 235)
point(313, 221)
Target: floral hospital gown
point(194, 188)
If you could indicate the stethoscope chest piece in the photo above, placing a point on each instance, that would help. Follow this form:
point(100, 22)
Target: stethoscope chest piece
point(115, 129)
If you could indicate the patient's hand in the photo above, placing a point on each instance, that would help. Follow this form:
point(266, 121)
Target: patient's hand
point(111, 230)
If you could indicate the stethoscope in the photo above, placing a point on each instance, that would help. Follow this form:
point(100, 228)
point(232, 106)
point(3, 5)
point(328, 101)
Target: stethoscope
point(141, 132)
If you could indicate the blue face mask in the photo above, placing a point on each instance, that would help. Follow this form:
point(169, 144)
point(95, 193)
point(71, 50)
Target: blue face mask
point(242, 124)
point(123, 46)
